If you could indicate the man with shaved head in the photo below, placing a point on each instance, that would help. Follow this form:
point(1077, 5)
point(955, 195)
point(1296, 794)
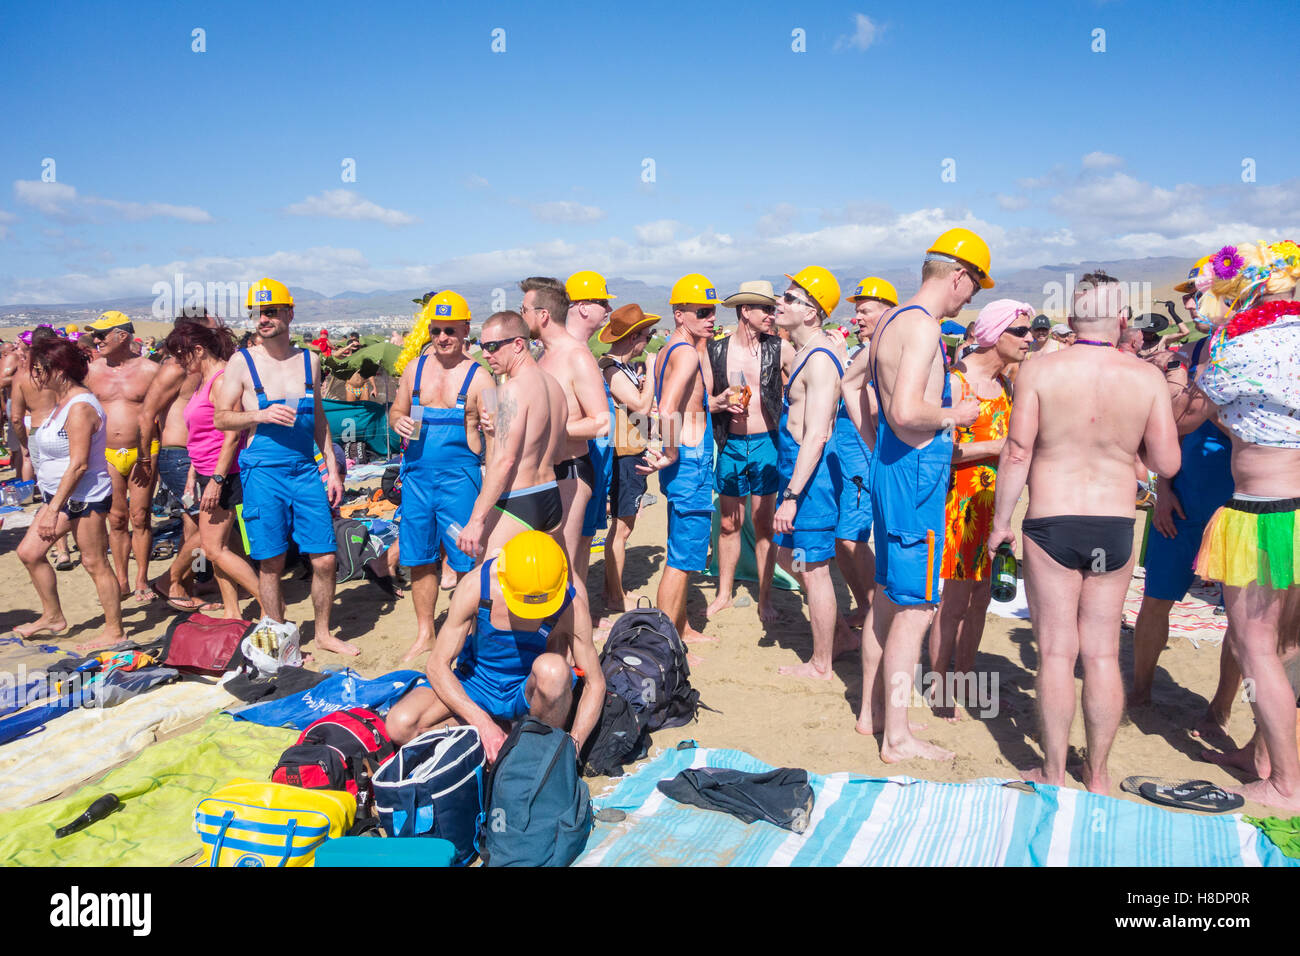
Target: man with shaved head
point(1081, 417)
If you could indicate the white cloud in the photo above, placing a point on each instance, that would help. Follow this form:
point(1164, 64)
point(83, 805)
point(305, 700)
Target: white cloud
point(658, 232)
point(1012, 203)
point(864, 34)
point(6, 217)
point(1119, 202)
point(345, 204)
point(61, 201)
point(566, 211)
point(777, 221)
point(477, 182)
point(1099, 160)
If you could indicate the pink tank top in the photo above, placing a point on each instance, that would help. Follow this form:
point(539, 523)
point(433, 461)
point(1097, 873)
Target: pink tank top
point(206, 438)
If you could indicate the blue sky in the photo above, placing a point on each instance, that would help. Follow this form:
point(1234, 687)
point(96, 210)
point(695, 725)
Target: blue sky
point(475, 166)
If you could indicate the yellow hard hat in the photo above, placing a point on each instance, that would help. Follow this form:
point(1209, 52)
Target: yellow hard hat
point(533, 574)
point(268, 292)
point(964, 245)
point(587, 285)
point(874, 287)
point(447, 306)
point(820, 284)
point(112, 320)
point(70, 328)
point(693, 289)
point(1190, 284)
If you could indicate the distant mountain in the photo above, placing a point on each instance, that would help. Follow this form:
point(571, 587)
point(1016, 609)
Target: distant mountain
point(1044, 287)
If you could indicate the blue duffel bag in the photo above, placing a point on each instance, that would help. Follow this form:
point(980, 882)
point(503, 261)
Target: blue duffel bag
point(432, 787)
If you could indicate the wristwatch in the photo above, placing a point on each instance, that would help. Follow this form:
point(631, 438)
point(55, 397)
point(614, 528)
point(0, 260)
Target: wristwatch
point(789, 495)
point(219, 479)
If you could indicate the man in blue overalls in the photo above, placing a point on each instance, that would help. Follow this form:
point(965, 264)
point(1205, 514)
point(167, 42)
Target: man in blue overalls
point(684, 459)
point(504, 651)
point(808, 507)
point(436, 411)
point(910, 470)
point(271, 389)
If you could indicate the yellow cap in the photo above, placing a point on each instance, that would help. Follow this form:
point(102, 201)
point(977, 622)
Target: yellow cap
point(70, 328)
point(820, 284)
point(446, 306)
point(964, 245)
point(268, 292)
point(873, 287)
point(693, 289)
point(587, 285)
point(533, 574)
point(1190, 284)
point(111, 320)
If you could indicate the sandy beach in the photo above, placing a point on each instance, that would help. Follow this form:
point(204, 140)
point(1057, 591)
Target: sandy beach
point(782, 720)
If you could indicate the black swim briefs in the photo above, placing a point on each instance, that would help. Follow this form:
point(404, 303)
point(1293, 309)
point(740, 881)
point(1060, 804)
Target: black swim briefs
point(580, 468)
point(537, 508)
point(1095, 543)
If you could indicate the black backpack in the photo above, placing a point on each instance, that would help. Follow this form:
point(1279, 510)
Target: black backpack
point(391, 484)
point(620, 737)
point(644, 662)
point(353, 548)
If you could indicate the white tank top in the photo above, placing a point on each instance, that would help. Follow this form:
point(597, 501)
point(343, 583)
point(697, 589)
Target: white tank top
point(49, 444)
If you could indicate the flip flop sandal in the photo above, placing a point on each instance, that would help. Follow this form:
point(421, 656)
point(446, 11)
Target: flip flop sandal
point(162, 551)
point(1193, 795)
point(65, 564)
point(1132, 784)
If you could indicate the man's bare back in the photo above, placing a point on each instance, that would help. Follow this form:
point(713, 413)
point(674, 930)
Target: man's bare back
point(519, 405)
point(913, 337)
point(121, 390)
point(570, 364)
point(1095, 406)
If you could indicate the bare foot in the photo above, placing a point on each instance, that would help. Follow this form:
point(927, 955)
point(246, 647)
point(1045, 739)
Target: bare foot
point(1263, 791)
point(952, 715)
point(806, 669)
point(694, 659)
point(914, 748)
point(42, 625)
point(1036, 776)
point(766, 613)
point(720, 603)
point(1212, 728)
point(1248, 759)
point(1095, 782)
point(599, 634)
point(328, 643)
point(867, 727)
point(692, 636)
point(606, 622)
point(418, 648)
point(106, 639)
point(143, 595)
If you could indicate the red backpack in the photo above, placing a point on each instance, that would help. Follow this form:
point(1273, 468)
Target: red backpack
point(341, 751)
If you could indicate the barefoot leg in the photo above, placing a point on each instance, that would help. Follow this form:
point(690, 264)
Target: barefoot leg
point(731, 514)
point(424, 594)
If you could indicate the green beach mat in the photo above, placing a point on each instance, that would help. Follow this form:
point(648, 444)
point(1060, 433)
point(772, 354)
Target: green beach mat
point(747, 566)
point(159, 790)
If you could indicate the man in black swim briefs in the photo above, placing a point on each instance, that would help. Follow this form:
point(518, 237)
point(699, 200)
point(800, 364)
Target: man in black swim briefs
point(1080, 416)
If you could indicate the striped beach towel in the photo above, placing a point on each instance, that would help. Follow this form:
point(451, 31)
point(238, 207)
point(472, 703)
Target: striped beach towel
point(900, 821)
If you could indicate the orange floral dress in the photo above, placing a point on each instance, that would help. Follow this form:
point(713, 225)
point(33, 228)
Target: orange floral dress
point(968, 515)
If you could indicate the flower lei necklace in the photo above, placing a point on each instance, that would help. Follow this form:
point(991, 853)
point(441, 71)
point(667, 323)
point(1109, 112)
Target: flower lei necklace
point(1260, 316)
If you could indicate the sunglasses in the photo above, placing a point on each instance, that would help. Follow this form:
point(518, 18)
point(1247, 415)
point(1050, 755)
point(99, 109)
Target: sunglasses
point(791, 299)
point(704, 313)
point(491, 347)
point(436, 330)
point(277, 310)
point(765, 309)
point(1019, 331)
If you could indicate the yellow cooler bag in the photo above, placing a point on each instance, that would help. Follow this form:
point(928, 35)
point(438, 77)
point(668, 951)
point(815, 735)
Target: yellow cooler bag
point(252, 823)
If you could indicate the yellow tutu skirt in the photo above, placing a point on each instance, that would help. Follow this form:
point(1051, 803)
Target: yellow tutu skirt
point(1241, 548)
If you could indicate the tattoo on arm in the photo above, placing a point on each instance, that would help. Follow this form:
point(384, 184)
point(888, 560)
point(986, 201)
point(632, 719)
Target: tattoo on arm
point(507, 409)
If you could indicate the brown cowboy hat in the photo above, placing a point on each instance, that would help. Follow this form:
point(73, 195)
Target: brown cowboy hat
point(623, 321)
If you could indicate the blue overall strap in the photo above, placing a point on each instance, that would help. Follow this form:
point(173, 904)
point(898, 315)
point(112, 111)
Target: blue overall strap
point(419, 377)
point(485, 585)
point(1198, 351)
point(549, 624)
point(661, 367)
point(464, 386)
point(795, 373)
point(252, 370)
point(306, 368)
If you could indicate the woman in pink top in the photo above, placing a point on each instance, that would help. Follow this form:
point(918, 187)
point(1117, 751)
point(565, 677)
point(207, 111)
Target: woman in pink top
point(213, 454)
